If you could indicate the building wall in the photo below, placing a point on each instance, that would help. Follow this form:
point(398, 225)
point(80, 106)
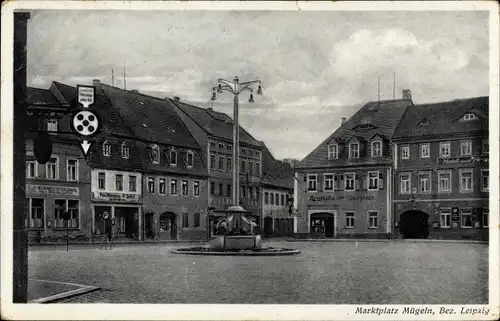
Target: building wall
point(339, 202)
point(277, 220)
point(53, 191)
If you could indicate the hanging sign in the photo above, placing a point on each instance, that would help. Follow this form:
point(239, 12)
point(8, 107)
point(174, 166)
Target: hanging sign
point(86, 122)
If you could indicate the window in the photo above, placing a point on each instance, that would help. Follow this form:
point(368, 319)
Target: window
point(162, 186)
point(106, 149)
point(486, 146)
point(312, 180)
point(196, 188)
point(445, 149)
point(72, 170)
point(349, 181)
point(173, 158)
point(266, 198)
point(243, 167)
point(445, 218)
point(119, 182)
point(257, 193)
point(229, 190)
point(52, 168)
point(37, 213)
point(282, 200)
point(466, 148)
point(272, 198)
point(466, 217)
point(212, 161)
point(155, 154)
point(243, 151)
point(250, 168)
point(60, 206)
point(229, 148)
point(132, 183)
point(376, 149)
point(425, 151)
point(354, 150)
point(151, 185)
point(424, 182)
point(257, 169)
point(185, 220)
point(196, 220)
point(229, 164)
point(333, 151)
point(212, 188)
point(221, 163)
point(185, 188)
point(405, 183)
point(190, 159)
point(373, 219)
point(485, 180)
point(277, 199)
point(101, 181)
point(250, 192)
point(373, 178)
point(486, 214)
point(466, 180)
point(328, 182)
point(221, 146)
point(212, 144)
point(221, 190)
point(405, 152)
point(173, 186)
point(469, 116)
point(349, 219)
point(31, 169)
point(125, 150)
point(52, 125)
point(444, 181)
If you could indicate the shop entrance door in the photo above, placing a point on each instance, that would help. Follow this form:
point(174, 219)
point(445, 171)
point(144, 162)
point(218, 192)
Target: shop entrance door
point(322, 225)
point(168, 226)
point(126, 222)
point(149, 226)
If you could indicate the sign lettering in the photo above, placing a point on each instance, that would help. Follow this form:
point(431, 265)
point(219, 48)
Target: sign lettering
point(116, 197)
point(52, 190)
point(463, 160)
point(352, 198)
point(86, 95)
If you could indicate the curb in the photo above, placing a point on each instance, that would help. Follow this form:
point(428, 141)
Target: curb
point(237, 253)
point(387, 241)
point(65, 295)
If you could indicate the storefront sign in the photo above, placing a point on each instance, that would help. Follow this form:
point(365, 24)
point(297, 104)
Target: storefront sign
point(463, 160)
point(116, 197)
point(52, 190)
point(352, 198)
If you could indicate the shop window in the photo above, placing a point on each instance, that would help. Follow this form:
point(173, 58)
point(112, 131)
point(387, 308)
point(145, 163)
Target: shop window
point(349, 219)
point(173, 158)
point(59, 208)
point(373, 181)
point(333, 151)
point(196, 220)
point(425, 151)
point(151, 185)
point(125, 150)
point(485, 180)
point(373, 219)
point(328, 182)
point(185, 220)
point(212, 161)
point(173, 186)
point(106, 149)
point(74, 216)
point(354, 150)
point(196, 188)
point(444, 149)
point(119, 182)
point(52, 168)
point(37, 213)
point(349, 179)
point(155, 154)
point(31, 169)
point(466, 218)
point(229, 164)
point(405, 152)
point(376, 149)
point(466, 177)
point(424, 182)
point(445, 218)
point(72, 170)
point(466, 148)
point(312, 180)
point(101, 181)
point(132, 183)
point(405, 183)
point(190, 159)
point(485, 218)
point(162, 186)
point(444, 182)
point(266, 197)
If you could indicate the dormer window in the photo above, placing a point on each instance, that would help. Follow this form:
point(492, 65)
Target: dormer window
point(106, 148)
point(469, 116)
point(190, 159)
point(125, 150)
point(173, 157)
point(333, 151)
point(354, 150)
point(155, 154)
point(376, 149)
point(424, 122)
point(52, 125)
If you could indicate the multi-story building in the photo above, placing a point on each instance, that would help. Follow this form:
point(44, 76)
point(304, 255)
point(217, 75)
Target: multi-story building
point(343, 188)
point(60, 185)
point(213, 131)
point(441, 170)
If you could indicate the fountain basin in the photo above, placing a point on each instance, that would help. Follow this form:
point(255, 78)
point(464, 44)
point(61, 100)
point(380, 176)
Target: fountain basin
point(236, 242)
point(263, 251)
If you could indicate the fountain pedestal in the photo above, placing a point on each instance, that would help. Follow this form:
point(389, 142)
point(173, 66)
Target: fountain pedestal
point(236, 242)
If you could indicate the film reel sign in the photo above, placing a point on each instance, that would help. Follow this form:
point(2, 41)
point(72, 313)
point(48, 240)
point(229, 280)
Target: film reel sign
point(85, 123)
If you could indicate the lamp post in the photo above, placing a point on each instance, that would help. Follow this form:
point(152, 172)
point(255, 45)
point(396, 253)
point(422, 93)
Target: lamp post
point(235, 88)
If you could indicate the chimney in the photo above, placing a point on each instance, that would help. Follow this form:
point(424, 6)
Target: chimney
point(406, 94)
point(135, 91)
point(342, 120)
point(97, 84)
point(177, 98)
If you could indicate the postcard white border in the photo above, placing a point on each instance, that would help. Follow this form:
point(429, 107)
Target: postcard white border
point(229, 312)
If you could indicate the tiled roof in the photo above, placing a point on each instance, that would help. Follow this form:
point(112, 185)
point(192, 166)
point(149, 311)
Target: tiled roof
point(275, 172)
point(444, 118)
point(38, 96)
point(215, 123)
point(373, 118)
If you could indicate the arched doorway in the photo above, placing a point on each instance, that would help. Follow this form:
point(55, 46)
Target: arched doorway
point(414, 224)
point(168, 226)
point(322, 225)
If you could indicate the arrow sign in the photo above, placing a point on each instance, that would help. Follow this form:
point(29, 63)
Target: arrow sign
point(85, 146)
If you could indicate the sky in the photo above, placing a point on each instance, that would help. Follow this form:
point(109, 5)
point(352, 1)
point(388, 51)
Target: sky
point(315, 66)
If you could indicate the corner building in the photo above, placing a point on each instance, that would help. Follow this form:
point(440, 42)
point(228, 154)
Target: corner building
point(442, 170)
point(343, 188)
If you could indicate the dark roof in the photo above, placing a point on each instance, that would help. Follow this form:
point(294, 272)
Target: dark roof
point(215, 123)
point(275, 172)
point(150, 118)
point(444, 118)
point(38, 96)
point(373, 118)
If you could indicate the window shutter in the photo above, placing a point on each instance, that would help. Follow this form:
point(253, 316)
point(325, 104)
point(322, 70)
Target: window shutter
point(381, 181)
